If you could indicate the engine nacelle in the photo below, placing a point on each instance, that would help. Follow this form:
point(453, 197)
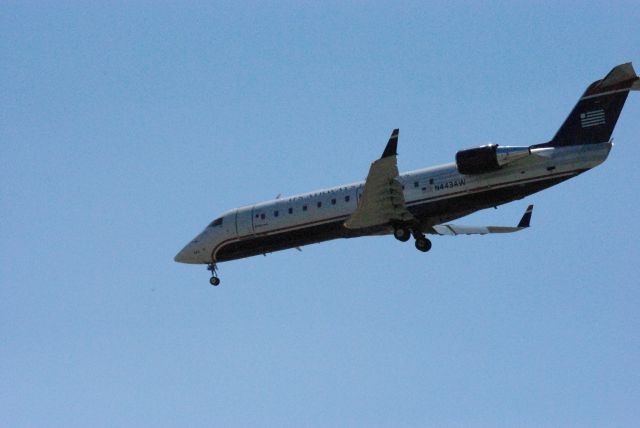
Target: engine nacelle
point(488, 158)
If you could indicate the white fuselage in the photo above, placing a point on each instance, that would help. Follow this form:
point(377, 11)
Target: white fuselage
point(255, 228)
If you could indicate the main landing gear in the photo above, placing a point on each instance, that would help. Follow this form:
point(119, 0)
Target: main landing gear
point(214, 280)
point(402, 233)
point(423, 244)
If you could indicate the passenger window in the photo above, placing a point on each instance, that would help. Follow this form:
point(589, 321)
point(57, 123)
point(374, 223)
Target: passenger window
point(319, 204)
point(333, 201)
point(415, 184)
point(304, 208)
point(431, 181)
point(262, 216)
point(290, 210)
point(275, 213)
point(346, 198)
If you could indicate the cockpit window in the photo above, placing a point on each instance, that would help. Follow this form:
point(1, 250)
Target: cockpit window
point(216, 222)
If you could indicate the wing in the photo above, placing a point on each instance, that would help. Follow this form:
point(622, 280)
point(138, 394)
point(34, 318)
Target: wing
point(452, 229)
point(382, 200)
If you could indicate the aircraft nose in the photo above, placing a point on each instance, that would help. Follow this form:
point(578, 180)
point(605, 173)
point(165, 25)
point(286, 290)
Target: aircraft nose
point(182, 256)
point(188, 254)
point(196, 251)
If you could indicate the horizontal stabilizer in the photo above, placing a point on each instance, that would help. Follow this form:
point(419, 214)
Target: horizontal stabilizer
point(452, 229)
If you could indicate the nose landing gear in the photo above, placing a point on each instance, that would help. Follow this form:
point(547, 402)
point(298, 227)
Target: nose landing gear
point(214, 280)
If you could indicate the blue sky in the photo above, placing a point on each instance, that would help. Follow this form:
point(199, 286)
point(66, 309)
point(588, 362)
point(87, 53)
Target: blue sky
point(126, 127)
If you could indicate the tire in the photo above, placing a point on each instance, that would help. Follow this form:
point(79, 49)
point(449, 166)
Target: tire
point(214, 280)
point(423, 244)
point(401, 234)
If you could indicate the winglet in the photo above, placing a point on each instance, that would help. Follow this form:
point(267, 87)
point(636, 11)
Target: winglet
point(526, 218)
point(392, 145)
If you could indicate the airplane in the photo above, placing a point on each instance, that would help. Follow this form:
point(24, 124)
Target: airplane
point(421, 202)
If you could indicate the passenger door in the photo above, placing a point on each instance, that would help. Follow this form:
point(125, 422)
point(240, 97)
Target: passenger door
point(244, 223)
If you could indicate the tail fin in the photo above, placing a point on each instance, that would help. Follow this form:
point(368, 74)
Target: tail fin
point(592, 120)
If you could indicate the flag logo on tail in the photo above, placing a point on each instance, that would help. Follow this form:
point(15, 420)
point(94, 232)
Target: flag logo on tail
point(592, 118)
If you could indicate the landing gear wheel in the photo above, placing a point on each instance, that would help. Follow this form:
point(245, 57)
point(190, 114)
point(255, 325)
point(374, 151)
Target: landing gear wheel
point(214, 280)
point(401, 234)
point(423, 244)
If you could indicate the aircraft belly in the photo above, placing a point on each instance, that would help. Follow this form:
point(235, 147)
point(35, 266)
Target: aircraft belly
point(281, 240)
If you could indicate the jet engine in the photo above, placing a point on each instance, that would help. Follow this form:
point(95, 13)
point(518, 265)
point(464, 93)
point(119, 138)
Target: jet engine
point(490, 157)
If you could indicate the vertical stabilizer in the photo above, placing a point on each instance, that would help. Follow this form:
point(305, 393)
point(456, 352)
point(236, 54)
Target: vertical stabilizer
point(592, 120)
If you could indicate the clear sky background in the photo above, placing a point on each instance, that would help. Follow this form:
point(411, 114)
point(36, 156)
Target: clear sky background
point(125, 127)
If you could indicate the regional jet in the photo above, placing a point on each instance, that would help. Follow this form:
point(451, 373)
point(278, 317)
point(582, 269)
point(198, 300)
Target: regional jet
point(422, 202)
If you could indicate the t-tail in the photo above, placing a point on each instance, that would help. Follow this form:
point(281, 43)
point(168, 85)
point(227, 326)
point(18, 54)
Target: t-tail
point(592, 120)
